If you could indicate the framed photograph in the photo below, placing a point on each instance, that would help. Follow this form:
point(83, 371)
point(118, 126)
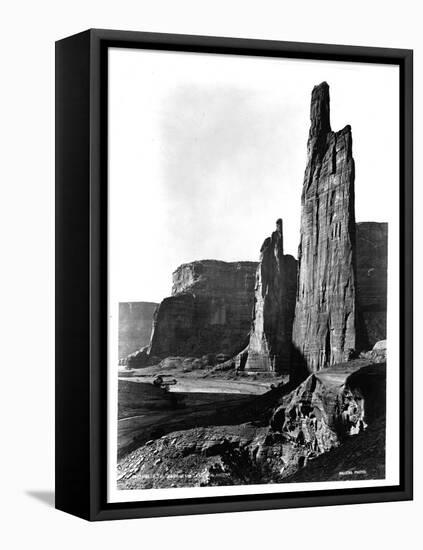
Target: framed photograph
point(234, 274)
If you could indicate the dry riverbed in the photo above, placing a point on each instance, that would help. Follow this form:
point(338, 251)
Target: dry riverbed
point(197, 399)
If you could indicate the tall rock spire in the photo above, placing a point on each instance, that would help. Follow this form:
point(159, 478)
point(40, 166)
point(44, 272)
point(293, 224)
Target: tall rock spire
point(320, 111)
point(325, 324)
point(274, 302)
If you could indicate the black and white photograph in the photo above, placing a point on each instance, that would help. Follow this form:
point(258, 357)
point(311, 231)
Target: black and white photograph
point(253, 275)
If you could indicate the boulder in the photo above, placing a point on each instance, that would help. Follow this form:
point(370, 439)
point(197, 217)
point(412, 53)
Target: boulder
point(380, 346)
point(377, 354)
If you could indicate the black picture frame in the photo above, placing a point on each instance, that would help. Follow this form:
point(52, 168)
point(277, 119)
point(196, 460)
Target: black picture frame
point(81, 272)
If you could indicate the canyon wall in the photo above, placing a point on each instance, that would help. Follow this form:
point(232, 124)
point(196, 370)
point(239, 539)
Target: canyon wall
point(372, 280)
point(270, 342)
point(325, 325)
point(135, 322)
point(209, 311)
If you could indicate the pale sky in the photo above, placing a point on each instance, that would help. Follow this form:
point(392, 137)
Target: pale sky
point(207, 151)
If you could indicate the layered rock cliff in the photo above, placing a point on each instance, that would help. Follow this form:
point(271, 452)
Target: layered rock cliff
point(270, 342)
point(209, 311)
point(372, 266)
point(325, 325)
point(135, 322)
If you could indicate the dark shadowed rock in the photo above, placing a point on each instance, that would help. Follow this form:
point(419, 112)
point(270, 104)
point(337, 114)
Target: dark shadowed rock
point(270, 342)
point(209, 311)
point(372, 267)
point(135, 323)
point(325, 326)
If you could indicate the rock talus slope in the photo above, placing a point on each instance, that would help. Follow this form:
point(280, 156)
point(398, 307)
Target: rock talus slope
point(325, 325)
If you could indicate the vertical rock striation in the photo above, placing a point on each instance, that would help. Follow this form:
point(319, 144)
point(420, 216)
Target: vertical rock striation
point(270, 343)
point(325, 326)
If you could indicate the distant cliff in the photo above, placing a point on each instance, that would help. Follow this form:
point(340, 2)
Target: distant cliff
point(135, 322)
point(325, 325)
point(209, 311)
point(283, 315)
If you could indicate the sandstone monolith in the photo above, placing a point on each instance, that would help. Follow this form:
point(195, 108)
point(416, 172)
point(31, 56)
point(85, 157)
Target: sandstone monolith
point(325, 327)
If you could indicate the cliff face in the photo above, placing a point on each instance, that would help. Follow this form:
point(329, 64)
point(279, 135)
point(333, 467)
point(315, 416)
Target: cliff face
point(135, 322)
point(209, 310)
point(372, 265)
point(270, 342)
point(325, 326)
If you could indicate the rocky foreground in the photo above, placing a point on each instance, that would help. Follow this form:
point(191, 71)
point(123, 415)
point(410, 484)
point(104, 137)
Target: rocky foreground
point(332, 411)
